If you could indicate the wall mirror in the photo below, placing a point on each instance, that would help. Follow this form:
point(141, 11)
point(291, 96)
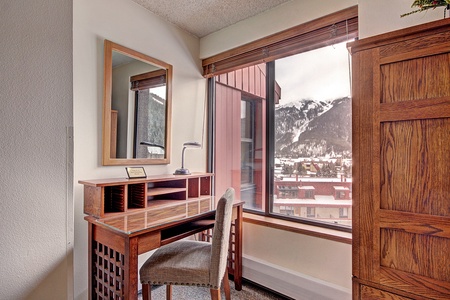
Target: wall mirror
point(136, 107)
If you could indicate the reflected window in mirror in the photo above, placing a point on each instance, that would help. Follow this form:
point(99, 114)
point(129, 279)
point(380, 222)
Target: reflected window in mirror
point(137, 108)
point(150, 107)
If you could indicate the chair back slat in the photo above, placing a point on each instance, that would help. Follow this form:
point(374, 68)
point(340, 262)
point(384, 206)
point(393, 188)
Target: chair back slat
point(221, 237)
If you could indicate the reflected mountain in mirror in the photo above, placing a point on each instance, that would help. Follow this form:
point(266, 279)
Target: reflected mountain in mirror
point(136, 108)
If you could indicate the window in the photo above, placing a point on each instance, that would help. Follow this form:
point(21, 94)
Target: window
point(239, 135)
point(310, 212)
point(250, 156)
point(282, 128)
point(247, 142)
point(150, 111)
point(149, 114)
point(312, 126)
point(343, 212)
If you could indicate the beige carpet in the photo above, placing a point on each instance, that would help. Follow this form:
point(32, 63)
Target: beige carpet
point(249, 292)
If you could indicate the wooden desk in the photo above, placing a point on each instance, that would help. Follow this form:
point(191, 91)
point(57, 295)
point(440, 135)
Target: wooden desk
point(117, 238)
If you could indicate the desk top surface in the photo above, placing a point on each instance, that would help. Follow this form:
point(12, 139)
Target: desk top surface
point(161, 216)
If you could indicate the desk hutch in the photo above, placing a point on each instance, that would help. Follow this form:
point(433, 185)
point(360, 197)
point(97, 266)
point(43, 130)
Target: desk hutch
point(128, 217)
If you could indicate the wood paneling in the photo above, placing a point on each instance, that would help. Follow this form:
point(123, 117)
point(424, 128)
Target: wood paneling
point(421, 78)
point(401, 187)
point(414, 179)
point(418, 254)
point(369, 293)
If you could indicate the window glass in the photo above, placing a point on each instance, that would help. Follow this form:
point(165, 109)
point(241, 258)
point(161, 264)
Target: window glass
point(150, 122)
point(308, 124)
point(313, 155)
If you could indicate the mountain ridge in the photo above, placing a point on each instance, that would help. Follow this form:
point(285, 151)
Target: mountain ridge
point(308, 128)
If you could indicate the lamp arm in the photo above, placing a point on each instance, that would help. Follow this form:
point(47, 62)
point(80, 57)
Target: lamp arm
point(182, 157)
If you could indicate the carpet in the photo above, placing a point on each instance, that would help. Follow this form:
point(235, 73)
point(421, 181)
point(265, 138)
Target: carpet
point(249, 292)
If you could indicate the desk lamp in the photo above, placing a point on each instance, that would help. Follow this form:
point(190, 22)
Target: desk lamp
point(184, 171)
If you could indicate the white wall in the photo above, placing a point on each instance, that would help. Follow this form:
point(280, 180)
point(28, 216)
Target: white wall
point(35, 149)
point(319, 258)
point(380, 16)
point(126, 23)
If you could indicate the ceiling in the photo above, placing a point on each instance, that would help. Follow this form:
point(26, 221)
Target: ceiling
point(202, 17)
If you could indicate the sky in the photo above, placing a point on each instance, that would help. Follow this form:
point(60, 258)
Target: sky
point(320, 74)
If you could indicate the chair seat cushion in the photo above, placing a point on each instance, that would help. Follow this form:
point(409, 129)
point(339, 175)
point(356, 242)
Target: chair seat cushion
point(183, 262)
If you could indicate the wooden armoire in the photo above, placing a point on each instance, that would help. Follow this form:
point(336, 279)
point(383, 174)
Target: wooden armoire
point(401, 155)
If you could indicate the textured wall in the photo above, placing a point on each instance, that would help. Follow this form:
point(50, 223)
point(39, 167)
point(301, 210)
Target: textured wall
point(35, 110)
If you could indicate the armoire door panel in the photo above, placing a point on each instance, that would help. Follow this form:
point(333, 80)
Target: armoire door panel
point(415, 254)
point(415, 172)
point(421, 78)
point(421, 286)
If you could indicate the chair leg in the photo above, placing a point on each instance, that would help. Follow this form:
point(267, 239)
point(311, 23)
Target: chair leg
point(146, 291)
point(215, 294)
point(169, 292)
point(226, 286)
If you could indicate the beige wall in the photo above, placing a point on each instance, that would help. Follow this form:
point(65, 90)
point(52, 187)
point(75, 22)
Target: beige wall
point(126, 23)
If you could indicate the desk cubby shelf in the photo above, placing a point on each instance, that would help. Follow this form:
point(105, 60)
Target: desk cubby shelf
point(107, 197)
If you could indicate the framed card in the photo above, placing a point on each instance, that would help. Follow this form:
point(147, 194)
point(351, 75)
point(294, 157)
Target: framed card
point(136, 172)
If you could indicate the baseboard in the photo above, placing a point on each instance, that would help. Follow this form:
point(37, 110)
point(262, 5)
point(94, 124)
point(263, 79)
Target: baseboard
point(292, 284)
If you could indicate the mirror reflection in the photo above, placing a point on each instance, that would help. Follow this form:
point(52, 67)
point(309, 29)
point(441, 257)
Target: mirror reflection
point(136, 108)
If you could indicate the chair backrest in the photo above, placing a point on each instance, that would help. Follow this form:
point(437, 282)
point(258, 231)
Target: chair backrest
point(221, 237)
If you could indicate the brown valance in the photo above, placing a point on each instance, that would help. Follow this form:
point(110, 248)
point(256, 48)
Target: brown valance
point(331, 29)
point(148, 80)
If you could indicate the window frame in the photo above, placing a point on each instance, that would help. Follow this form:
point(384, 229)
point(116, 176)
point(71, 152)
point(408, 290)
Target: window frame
point(330, 29)
point(271, 99)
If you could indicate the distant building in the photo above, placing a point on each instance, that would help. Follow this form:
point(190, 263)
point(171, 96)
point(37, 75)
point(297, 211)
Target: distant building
point(319, 198)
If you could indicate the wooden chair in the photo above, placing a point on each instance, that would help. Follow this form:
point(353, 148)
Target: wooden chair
point(194, 263)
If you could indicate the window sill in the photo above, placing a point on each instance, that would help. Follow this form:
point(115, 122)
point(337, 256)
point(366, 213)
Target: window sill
point(324, 233)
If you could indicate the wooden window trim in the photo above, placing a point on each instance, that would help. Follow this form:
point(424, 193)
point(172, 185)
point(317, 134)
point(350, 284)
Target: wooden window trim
point(341, 25)
point(300, 228)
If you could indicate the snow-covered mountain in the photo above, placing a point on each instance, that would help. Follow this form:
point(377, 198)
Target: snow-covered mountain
point(310, 128)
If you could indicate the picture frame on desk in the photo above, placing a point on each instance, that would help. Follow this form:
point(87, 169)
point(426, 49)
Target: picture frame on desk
point(136, 172)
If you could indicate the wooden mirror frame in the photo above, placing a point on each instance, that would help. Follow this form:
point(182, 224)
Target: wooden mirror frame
point(107, 160)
